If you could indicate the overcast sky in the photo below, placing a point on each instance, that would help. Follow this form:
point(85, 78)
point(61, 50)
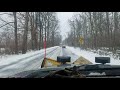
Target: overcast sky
point(63, 18)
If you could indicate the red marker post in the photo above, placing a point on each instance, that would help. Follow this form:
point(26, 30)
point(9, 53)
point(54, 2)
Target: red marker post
point(45, 47)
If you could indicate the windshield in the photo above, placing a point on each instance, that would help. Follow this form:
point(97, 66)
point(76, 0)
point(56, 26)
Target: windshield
point(27, 38)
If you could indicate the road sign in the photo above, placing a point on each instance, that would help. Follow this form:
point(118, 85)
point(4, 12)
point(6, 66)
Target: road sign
point(81, 40)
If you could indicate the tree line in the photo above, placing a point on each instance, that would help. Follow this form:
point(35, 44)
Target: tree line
point(100, 30)
point(23, 31)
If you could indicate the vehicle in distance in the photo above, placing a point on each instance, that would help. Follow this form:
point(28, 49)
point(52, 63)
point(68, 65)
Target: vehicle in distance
point(63, 46)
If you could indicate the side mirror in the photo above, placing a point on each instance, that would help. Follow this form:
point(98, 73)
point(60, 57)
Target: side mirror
point(102, 60)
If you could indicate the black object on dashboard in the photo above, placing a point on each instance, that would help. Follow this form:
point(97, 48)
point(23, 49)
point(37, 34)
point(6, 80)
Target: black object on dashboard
point(102, 60)
point(63, 59)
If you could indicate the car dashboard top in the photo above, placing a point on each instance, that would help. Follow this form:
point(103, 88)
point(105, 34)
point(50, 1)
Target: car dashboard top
point(83, 71)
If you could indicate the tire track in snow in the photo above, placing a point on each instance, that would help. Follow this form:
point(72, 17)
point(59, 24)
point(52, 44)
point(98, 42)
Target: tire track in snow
point(7, 71)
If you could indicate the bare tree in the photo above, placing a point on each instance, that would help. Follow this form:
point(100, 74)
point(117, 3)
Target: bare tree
point(26, 31)
point(100, 30)
point(24, 45)
point(15, 27)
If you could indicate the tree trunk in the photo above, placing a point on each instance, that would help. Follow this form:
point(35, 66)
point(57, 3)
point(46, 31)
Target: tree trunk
point(108, 30)
point(15, 29)
point(40, 32)
point(24, 45)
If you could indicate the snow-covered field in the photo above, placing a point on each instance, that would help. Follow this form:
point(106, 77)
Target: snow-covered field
point(91, 55)
point(7, 59)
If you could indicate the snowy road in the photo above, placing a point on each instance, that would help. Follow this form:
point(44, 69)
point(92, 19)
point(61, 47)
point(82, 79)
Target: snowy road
point(34, 61)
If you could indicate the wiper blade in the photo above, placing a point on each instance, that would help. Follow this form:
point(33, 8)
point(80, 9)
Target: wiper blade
point(95, 67)
point(97, 70)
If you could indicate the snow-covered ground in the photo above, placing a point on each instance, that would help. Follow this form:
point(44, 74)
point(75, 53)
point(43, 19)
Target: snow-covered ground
point(91, 55)
point(12, 64)
point(7, 59)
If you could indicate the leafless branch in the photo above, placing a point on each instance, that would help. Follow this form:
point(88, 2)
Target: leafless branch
point(6, 24)
point(21, 14)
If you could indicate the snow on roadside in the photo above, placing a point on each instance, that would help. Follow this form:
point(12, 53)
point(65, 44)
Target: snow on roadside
point(12, 58)
point(91, 56)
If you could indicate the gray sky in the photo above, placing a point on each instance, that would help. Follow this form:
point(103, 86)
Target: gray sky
point(63, 18)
